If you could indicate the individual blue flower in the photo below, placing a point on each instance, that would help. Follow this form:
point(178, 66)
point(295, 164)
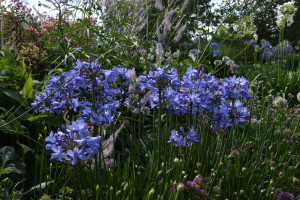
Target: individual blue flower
point(79, 127)
point(213, 45)
point(177, 139)
point(193, 51)
point(184, 138)
point(57, 153)
point(216, 53)
point(75, 154)
point(251, 42)
point(265, 44)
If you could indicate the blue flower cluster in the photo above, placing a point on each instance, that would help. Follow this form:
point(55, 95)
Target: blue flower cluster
point(277, 52)
point(251, 42)
point(265, 44)
point(87, 79)
point(182, 138)
point(267, 54)
point(73, 143)
point(198, 92)
point(284, 47)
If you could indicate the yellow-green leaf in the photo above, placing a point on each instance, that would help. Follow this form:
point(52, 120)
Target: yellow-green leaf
point(27, 89)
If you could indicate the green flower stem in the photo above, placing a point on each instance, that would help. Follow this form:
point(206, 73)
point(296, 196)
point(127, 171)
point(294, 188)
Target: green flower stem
point(159, 128)
point(77, 182)
point(165, 150)
point(140, 126)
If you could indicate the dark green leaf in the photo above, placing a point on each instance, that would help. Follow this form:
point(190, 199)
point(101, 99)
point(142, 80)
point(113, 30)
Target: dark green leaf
point(3, 84)
point(13, 95)
point(7, 153)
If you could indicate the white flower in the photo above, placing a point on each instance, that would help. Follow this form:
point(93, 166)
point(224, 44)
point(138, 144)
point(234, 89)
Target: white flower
point(236, 28)
point(150, 57)
point(193, 15)
point(255, 36)
point(176, 53)
point(298, 96)
point(280, 102)
point(168, 54)
point(142, 60)
point(225, 59)
point(192, 56)
point(218, 62)
point(285, 14)
point(230, 62)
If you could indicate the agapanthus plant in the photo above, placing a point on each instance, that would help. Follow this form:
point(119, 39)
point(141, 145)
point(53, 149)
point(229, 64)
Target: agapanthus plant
point(87, 79)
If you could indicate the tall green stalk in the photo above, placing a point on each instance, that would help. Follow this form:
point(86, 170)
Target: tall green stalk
point(165, 149)
point(77, 182)
point(159, 128)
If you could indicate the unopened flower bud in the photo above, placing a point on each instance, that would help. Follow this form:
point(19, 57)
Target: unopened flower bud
point(199, 165)
point(118, 193)
point(185, 177)
point(147, 155)
point(97, 188)
point(235, 193)
point(271, 182)
point(244, 169)
point(152, 191)
point(196, 172)
point(220, 164)
point(281, 174)
point(111, 188)
point(180, 188)
point(176, 160)
point(125, 187)
point(272, 169)
point(295, 180)
point(159, 173)
point(241, 192)
point(212, 170)
point(183, 173)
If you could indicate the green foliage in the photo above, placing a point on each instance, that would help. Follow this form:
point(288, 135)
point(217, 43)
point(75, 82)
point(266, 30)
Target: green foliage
point(28, 88)
point(288, 84)
point(138, 172)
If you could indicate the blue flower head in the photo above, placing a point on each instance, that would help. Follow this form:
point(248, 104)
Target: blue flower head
point(193, 51)
point(216, 53)
point(213, 45)
point(184, 138)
